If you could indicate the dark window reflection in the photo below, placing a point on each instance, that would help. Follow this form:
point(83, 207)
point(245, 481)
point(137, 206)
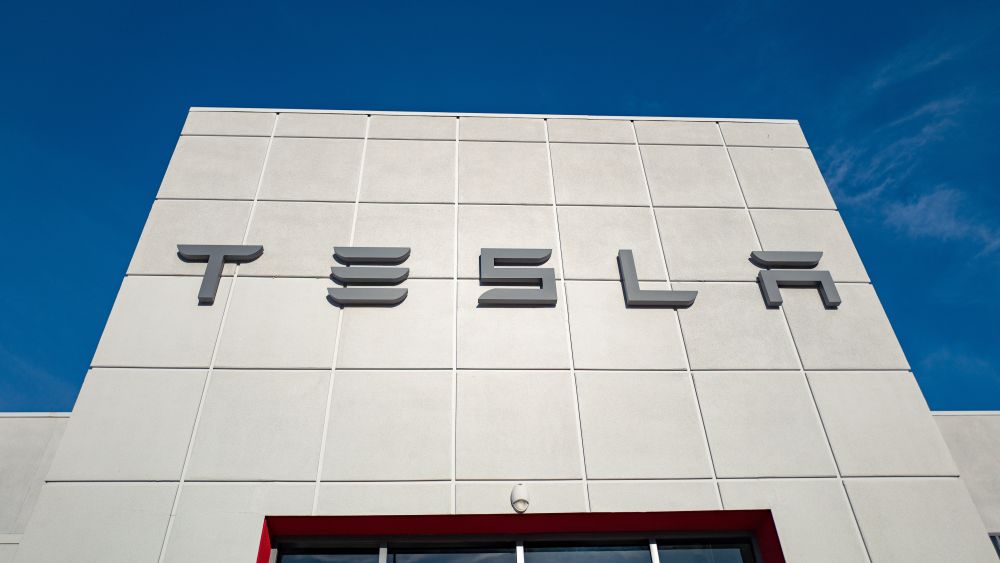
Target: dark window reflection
point(452, 556)
point(705, 554)
point(347, 557)
point(587, 554)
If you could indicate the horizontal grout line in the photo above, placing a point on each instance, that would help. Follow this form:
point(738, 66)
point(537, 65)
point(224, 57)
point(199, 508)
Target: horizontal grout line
point(499, 370)
point(526, 141)
point(280, 276)
point(499, 115)
point(498, 480)
point(501, 203)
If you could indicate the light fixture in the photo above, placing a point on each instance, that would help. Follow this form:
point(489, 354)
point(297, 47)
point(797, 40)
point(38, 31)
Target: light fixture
point(519, 498)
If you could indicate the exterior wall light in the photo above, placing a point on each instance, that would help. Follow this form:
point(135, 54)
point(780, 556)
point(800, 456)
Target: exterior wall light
point(519, 498)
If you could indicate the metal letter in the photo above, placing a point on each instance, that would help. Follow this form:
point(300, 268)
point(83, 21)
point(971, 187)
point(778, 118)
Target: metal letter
point(636, 297)
point(217, 255)
point(490, 258)
point(771, 280)
point(369, 275)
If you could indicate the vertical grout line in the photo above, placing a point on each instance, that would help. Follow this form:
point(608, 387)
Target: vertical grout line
point(340, 323)
point(798, 354)
point(677, 318)
point(215, 349)
point(569, 331)
point(454, 333)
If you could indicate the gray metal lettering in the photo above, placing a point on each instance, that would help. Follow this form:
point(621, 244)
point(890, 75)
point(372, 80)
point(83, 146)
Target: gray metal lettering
point(772, 280)
point(636, 297)
point(371, 254)
point(785, 259)
point(490, 258)
point(369, 275)
point(217, 256)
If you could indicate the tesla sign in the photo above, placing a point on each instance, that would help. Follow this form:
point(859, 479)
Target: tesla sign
point(368, 276)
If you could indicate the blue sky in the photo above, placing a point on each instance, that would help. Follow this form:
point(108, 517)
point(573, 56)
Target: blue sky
point(898, 100)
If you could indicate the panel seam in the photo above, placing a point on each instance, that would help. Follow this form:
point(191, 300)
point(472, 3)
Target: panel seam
point(677, 318)
point(798, 358)
point(340, 324)
point(215, 350)
point(569, 331)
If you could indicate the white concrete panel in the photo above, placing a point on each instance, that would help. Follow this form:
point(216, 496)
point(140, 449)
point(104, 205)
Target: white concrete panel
point(238, 123)
point(284, 323)
point(755, 419)
point(813, 517)
point(692, 176)
point(544, 497)
point(416, 334)
point(409, 172)
point(130, 425)
point(260, 426)
point(412, 127)
point(591, 174)
point(652, 496)
point(708, 244)
point(608, 335)
point(763, 134)
point(27, 446)
point(157, 322)
point(504, 226)
point(222, 522)
point(510, 337)
point(214, 168)
point(855, 336)
point(517, 425)
point(109, 523)
point(974, 441)
point(919, 521)
point(729, 327)
point(590, 131)
point(878, 424)
point(592, 236)
point(320, 125)
point(384, 499)
point(7, 552)
point(813, 230)
point(501, 129)
point(504, 172)
point(313, 170)
point(780, 178)
point(389, 426)
point(677, 133)
point(298, 237)
point(173, 222)
point(428, 230)
point(641, 425)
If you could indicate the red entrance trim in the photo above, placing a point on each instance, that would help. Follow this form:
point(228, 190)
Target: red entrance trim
point(757, 522)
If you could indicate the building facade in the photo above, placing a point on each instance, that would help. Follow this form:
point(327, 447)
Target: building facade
point(355, 336)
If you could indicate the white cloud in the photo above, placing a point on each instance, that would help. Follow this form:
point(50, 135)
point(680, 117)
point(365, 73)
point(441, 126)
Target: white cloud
point(942, 214)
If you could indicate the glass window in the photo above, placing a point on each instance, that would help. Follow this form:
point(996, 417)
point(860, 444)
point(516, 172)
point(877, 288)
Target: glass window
point(452, 555)
point(996, 542)
point(587, 554)
point(337, 557)
point(705, 553)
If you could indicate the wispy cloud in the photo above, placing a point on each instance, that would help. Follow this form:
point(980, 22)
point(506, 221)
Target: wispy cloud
point(861, 170)
point(910, 62)
point(942, 214)
point(880, 171)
